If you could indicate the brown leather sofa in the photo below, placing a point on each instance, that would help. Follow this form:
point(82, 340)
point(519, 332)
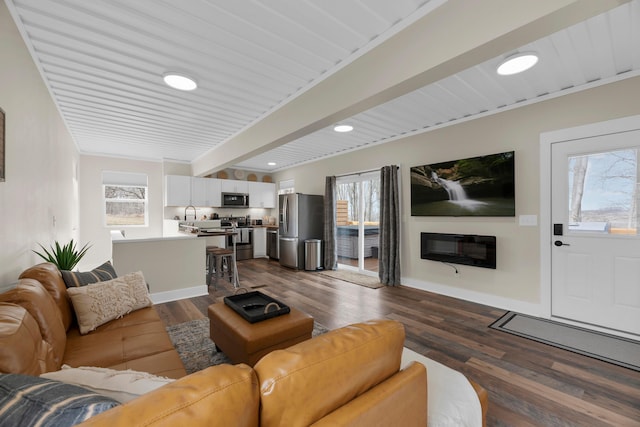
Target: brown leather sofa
point(305, 384)
point(38, 332)
point(346, 377)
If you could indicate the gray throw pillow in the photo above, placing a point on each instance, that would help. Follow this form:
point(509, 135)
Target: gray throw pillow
point(103, 273)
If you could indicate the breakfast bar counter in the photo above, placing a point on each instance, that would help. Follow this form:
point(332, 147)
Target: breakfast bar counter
point(174, 267)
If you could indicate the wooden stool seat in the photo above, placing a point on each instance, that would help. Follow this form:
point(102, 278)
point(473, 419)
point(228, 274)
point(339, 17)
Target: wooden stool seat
point(219, 251)
point(246, 342)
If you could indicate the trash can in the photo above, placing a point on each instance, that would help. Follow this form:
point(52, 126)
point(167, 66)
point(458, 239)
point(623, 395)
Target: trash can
point(313, 254)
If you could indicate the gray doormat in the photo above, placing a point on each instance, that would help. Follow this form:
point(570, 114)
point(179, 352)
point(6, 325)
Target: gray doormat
point(609, 348)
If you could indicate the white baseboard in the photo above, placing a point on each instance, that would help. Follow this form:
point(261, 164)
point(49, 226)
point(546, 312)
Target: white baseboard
point(195, 291)
point(531, 309)
point(476, 297)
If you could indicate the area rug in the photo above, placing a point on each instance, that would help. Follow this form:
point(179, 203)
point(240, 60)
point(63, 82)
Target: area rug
point(352, 277)
point(609, 348)
point(197, 351)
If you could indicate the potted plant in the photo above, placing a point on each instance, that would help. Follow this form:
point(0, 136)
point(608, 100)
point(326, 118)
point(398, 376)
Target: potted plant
point(64, 257)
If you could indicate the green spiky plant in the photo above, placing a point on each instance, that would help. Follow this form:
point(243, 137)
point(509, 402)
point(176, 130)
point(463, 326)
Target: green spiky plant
point(64, 257)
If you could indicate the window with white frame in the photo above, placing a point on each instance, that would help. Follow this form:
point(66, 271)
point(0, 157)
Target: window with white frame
point(125, 199)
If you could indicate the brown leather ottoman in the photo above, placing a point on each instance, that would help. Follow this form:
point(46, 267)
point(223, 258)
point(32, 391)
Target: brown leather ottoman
point(246, 342)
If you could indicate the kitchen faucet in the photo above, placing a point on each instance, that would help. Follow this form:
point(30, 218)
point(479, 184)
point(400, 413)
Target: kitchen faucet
point(195, 213)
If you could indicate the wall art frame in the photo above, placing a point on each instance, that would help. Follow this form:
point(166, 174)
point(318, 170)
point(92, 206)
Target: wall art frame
point(2, 146)
point(475, 186)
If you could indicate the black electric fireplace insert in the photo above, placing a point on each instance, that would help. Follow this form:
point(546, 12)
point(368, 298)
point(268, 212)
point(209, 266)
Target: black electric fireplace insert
point(466, 249)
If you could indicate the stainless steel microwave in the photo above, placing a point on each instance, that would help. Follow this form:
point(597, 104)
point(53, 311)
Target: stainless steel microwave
point(235, 200)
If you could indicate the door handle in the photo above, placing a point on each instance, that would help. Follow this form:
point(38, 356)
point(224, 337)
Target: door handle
point(560, 243)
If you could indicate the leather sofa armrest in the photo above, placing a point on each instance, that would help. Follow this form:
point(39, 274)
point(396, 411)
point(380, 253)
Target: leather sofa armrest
point(22, 349)
point(31, 295)
point(401, 400)
point(303, 383)
point(222, 395)
point(50, 277)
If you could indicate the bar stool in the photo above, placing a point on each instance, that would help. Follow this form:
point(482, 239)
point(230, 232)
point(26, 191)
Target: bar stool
point(210, 262)
point(209, 255)
point(219, 260)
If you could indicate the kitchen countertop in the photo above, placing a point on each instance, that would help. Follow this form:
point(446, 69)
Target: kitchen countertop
point(215, 232)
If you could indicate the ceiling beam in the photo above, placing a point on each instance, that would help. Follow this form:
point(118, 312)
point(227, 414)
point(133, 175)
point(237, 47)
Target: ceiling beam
point(455, 36)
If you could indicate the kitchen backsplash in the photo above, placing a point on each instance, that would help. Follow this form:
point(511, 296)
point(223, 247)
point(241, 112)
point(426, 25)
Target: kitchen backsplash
point(171, 212)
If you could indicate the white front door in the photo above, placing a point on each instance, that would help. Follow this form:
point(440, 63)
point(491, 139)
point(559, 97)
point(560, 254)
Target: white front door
point(595, 245)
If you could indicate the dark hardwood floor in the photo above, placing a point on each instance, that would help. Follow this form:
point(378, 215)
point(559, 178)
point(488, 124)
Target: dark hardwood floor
point(529, 384)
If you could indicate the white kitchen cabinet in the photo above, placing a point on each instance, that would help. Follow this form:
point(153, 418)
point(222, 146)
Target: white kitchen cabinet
point(205, 192)
point(213, 192)
point(259, 242)
point(177, 190)
point(262, 195)
point(233, 186)
point(192, 191)
point(198, 191)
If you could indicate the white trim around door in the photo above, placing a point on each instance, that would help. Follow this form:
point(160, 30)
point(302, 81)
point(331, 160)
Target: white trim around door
point(546, 140)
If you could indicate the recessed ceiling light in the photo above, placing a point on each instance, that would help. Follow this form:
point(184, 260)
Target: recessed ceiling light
point(517, 63)
point(343, 128)
point(179, 81)
point(271, 163)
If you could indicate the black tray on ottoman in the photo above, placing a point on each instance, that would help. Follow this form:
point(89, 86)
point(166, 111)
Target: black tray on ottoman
point(256, 306)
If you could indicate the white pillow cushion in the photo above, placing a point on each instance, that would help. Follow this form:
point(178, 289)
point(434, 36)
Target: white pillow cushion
point(138, 290)
point(122, 386)
point(99, 303)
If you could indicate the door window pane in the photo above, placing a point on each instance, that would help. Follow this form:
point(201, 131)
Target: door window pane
point(357, 218)
point(603, 191)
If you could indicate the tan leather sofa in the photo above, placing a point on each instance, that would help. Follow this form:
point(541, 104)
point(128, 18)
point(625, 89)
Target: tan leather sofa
point(350, 376)
point(346, 377)
point(38, 332)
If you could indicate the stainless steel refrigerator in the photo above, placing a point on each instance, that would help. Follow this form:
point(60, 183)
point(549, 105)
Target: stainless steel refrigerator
point(301, 217)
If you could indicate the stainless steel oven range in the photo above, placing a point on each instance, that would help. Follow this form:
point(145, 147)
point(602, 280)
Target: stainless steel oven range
point(244, 238)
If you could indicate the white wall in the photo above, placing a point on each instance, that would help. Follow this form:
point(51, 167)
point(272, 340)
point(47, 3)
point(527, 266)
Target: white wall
point(92, 225)
point(41, 161)
point(516, 281)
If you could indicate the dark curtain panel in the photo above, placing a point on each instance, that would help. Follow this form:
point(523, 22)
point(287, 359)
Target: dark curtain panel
point(389, 257)
point(330, 249)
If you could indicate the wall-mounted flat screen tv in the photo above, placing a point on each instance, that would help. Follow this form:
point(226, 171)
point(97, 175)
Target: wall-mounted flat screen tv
point(477, 186)
point(466, 249)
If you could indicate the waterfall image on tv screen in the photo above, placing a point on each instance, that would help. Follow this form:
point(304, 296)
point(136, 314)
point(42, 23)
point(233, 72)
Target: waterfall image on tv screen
point(477, 186)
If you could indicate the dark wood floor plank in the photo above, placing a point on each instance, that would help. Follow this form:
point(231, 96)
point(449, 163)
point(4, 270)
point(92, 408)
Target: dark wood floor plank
point(529, 383)
point(537, 389)
point(631, 392)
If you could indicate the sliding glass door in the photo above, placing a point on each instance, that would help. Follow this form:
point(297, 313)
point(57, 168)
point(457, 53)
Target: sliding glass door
point(358, 218)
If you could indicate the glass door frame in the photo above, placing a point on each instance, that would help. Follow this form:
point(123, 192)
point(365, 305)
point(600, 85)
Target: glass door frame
point(359, 179)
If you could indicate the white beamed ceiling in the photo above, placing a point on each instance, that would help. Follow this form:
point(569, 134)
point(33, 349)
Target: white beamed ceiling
point(103, 62)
